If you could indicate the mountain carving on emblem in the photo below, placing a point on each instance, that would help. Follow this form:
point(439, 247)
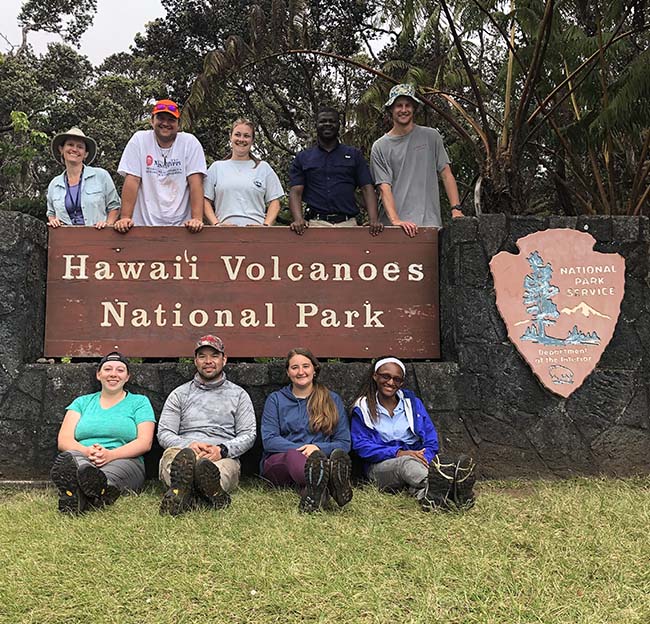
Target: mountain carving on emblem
point(584, 309)
point(560, 301)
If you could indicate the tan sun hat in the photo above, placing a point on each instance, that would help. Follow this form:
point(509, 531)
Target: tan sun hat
point(59, 140)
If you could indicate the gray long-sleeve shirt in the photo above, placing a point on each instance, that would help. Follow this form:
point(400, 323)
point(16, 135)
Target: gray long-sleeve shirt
point(217, 413)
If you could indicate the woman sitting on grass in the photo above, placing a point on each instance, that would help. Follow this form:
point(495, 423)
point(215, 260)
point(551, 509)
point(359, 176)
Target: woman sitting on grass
point(102, 438)
point(303, 424)
point(393, 433)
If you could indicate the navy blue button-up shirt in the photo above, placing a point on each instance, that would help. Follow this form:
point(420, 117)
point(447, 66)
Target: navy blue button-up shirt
point(330, 178)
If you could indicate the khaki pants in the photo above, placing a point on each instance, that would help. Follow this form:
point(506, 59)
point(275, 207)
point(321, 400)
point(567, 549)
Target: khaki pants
point(229, 469)
point(352, 222)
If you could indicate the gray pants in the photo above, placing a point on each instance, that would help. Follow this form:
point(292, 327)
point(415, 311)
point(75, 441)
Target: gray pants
point(228, 467)
point(399, 473)
point(124, 474)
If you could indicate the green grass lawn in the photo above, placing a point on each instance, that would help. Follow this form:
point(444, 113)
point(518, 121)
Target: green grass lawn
point(574, 551)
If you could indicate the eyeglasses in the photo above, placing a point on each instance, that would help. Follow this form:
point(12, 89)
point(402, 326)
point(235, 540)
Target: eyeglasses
point(172, 108)
point(385, 377)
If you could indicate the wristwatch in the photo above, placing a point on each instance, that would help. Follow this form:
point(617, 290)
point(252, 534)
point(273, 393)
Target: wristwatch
point(457, 207)
point(224, 450)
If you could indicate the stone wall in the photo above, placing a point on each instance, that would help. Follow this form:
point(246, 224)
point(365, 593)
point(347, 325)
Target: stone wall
point(513, 424)
point(483, 397)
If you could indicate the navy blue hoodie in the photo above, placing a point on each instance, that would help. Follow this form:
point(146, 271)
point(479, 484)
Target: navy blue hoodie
point(285, 425)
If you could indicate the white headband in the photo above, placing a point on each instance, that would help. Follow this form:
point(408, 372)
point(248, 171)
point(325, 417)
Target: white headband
point(390, 360)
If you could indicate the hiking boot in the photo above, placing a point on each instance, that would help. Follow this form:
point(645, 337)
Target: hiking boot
point(207, 481)
point(180, 495)
point(464, 479)
point(94, 485)
point(64, 476)
point(316, 476)
point(440, 481)
point(339, 484)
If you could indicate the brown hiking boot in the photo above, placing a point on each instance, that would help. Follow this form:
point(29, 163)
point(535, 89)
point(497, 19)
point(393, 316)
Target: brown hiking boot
point(207, 482)
point(180, 495)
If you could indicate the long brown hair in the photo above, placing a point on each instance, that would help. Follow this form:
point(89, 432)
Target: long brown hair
point(323, 415)
point(242, 121)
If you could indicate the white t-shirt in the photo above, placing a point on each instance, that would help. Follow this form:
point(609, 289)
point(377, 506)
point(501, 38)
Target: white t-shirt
point(164, 194)
point(240, 191)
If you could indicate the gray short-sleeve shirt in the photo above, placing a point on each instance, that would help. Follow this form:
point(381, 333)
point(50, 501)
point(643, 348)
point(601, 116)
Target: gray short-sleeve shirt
point(411, 164)
point(240, 191)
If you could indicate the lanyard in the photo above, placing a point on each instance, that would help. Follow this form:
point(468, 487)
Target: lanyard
point(73, 203)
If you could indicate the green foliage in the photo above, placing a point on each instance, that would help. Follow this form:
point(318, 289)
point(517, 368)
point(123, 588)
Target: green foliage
point(69, 18)
point(556, 123)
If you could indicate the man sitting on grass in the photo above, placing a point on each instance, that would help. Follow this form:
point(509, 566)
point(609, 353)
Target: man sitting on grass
point(205, 425)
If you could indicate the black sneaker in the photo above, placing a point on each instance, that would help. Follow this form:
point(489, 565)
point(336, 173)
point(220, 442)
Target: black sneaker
point(207, 481)
point(64, 476)
point(317, 476)
point(94, 485)
point(340, 470)
point(440, 482)
point(464, 479)
point(180, 496)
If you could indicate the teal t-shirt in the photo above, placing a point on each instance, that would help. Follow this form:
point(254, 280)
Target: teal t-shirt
point(112, 427)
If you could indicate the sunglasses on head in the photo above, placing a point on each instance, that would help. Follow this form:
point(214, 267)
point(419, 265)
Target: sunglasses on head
point(385, 377)
point(172, 108)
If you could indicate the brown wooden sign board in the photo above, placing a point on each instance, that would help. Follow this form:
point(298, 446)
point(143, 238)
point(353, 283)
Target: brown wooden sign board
point(154, 291)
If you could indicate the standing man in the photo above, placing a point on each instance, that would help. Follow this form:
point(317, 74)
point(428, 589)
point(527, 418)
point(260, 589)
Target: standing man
point(406, 163)
point(205, 425)
point(163, 173)
point(326, 176)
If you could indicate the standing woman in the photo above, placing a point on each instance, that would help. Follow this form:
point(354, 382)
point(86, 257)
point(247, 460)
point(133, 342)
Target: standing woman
point(102, 438)
point(303, 424)
point(81, 195)
point(241, 189)
point(393, 433)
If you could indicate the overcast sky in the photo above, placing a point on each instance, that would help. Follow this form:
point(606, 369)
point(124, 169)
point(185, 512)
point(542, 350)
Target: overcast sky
point(116, 23)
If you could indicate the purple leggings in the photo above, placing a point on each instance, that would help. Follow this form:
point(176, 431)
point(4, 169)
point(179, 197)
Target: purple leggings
point(285, 468)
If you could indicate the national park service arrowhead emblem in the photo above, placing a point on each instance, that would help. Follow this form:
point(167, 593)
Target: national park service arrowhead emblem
point(560, 301)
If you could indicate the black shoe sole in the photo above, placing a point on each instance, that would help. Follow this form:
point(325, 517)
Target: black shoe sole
point(317, 477)
point(439, 485)
point(339, 483)
point(207, 480)
point(64, 475)
point(464, 480)
point(92, 481)
point(95, 486)
point(179, 497)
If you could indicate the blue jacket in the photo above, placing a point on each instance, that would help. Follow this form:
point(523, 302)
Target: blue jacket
point(285, 425)
point(98, 196)
point(368, 444)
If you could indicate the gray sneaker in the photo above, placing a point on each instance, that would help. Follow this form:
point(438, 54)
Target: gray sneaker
point(340, 470)
point(317, 477)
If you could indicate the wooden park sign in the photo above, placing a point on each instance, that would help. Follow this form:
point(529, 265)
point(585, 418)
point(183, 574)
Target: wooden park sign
point(560, 301)
point(154, 291)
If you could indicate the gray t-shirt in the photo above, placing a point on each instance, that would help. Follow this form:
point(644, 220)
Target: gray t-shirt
point(240, 191)
point(411, 164)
